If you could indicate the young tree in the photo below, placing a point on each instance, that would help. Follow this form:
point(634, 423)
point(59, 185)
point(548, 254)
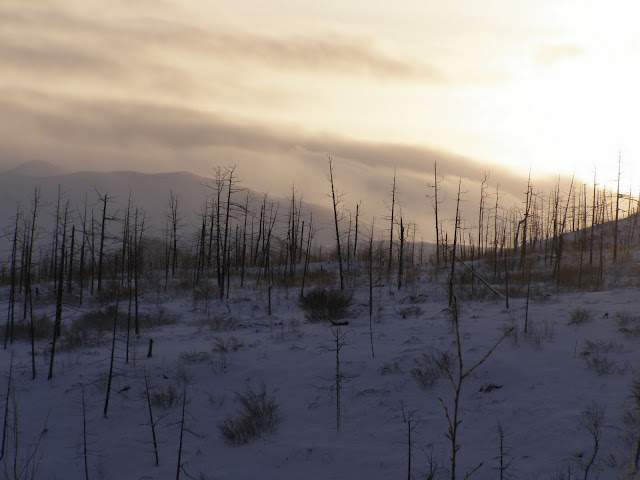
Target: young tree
point(457, 375)
point(339, 338)
point(407, 418)
point(593, 422)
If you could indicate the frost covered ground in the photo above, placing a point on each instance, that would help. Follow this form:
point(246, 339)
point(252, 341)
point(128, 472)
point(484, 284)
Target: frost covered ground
point(536, 387)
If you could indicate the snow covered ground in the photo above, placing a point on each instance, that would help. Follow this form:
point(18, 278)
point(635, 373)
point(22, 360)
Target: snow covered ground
point(536, 387)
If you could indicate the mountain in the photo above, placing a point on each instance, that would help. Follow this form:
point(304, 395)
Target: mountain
point(149, 192)
point(37, 169)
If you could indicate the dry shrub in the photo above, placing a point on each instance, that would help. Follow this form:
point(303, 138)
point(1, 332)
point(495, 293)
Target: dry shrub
point(431, 367)
point(389, 368)
point(628, 324)
point(222, 323)
point(226, 345)
point(320, 277)
point(409, 311)
point(571, 276)
point(321, 304)
point(194, 356)
point(159, 318)
point(75, 338)
point(165, 399)
point(538, 334)
point(602, 365)
point(578, 316)
point(630, 435)
point(108, 293)
point(42, 328)
point(600, 346)
point(258, 415)
point(102, 320)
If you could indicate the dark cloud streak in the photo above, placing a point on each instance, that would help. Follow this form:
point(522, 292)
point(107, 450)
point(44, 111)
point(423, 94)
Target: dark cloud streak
point(136, 127)
point(146, 40)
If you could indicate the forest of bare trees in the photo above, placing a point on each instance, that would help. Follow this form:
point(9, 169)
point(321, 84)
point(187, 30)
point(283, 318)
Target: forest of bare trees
point(567, 237)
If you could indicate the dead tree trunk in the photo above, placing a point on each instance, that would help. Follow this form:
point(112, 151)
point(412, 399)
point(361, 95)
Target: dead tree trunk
point(615, 227)
point(307, 255)
point(435, 209)
point(8, 336)
point(373, 354)
point(455, 240)
point(113, 353)
point(401, 254)
point(335, 201)
point(58, 319)
point(225, 250)
point(104, 199)
point(393, 204)
point(28, 288)
point(593, 220)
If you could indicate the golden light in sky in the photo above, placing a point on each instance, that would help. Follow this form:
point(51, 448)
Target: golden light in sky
point(502, 85)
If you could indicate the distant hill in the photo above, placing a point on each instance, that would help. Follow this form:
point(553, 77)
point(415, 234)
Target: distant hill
point(149, 192)
point(36, 168)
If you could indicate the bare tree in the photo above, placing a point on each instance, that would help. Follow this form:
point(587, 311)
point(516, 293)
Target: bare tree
point(152, 423)
point(28, 295)
point(340, 342)
point(113, 353)
point(310, 235)
point(392, 219)
point(104, 199)
point(403, 238)
point(373, 354)
point(482, 211)
point(225, 250)
point(407, 418)
point(593, 219)
point(457, 376)
point(593, 422)
point(525, 221)
point(615, 227)
point(6, 410)
point(8, 336)
point(455, 239)
point(336, 199)
point(174, 221)
point(58, 319)
point(560, 244)
point(355, 237)
point(435, 202)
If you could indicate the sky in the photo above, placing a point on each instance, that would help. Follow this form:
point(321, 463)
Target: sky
point(499, 87)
